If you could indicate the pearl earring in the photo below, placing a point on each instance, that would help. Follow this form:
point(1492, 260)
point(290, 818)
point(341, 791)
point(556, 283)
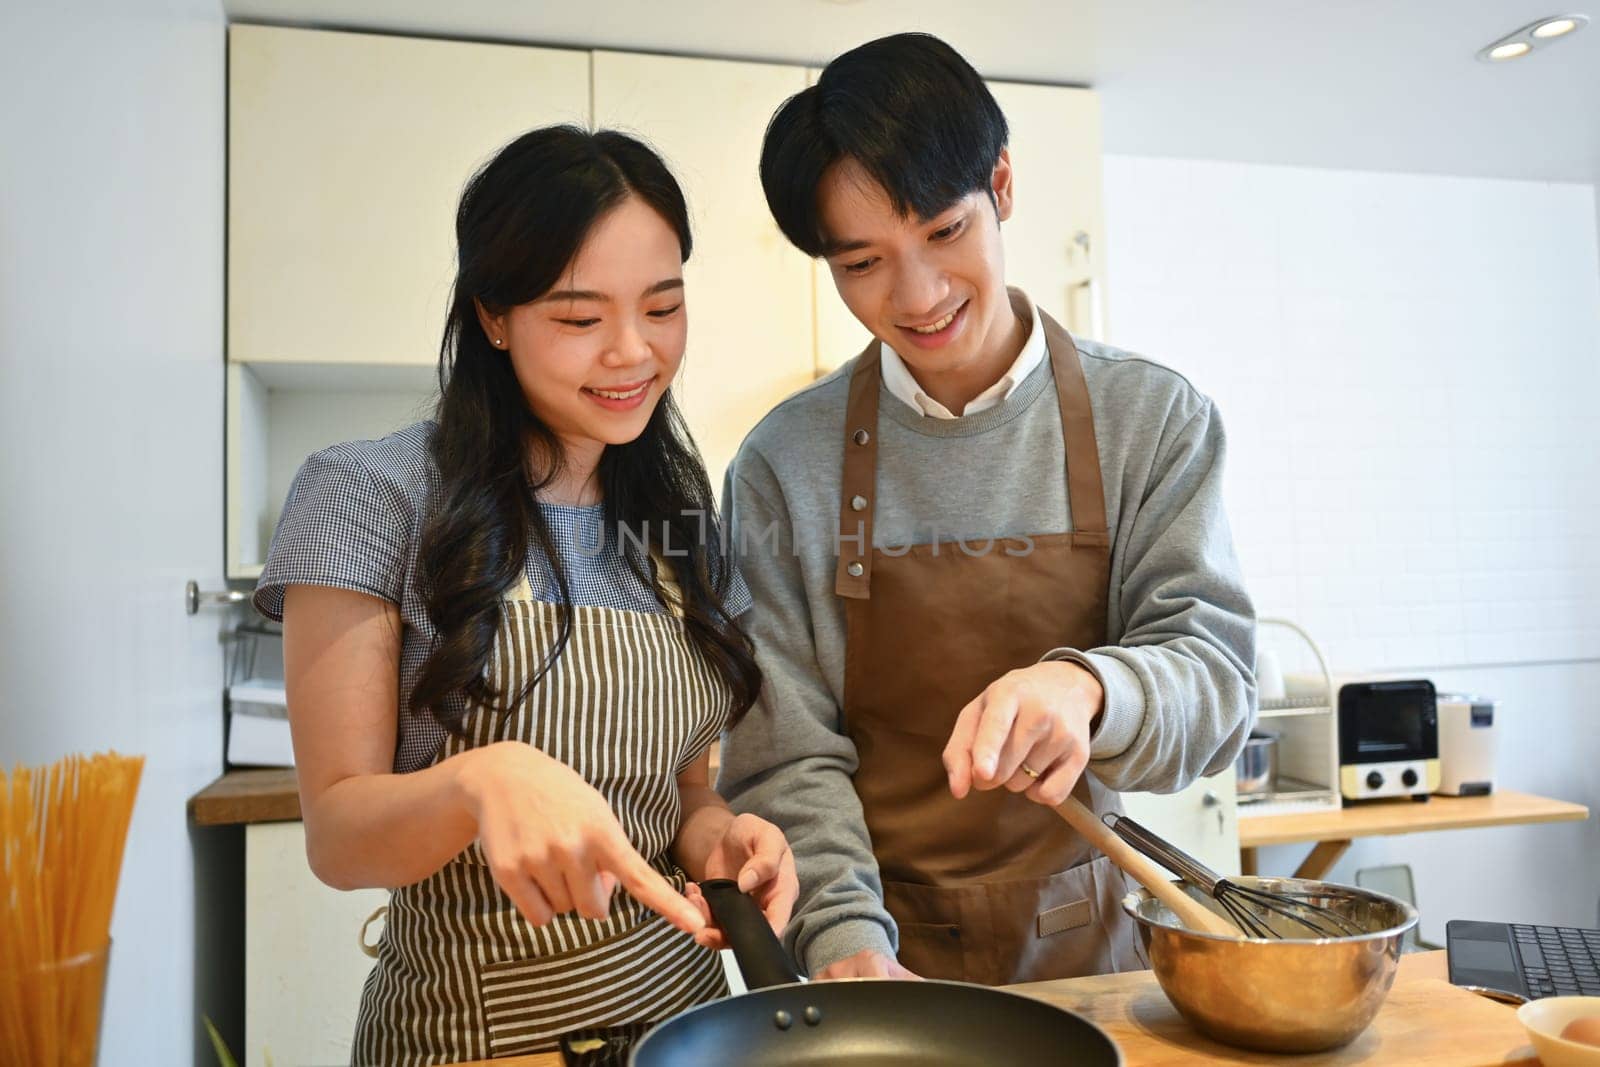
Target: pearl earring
point(498, 341)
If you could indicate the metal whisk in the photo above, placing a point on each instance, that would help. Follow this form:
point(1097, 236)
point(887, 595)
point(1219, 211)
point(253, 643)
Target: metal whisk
point(1250, 909)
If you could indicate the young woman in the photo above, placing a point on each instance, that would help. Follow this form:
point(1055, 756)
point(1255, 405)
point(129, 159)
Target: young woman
point(509, 637)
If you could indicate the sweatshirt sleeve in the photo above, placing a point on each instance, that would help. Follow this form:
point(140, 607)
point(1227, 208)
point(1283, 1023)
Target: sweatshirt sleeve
point(1179, 674)
point(788, 760)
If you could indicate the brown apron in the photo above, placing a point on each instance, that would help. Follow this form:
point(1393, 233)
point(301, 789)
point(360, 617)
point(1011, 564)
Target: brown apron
point(993, 888)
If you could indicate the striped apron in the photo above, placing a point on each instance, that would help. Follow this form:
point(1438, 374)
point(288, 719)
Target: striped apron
point(460, 974)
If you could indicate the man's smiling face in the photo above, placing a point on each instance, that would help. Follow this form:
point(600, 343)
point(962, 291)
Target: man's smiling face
point(932, 288)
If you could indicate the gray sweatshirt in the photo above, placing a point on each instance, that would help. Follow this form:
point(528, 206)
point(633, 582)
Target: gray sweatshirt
point(1177, 668)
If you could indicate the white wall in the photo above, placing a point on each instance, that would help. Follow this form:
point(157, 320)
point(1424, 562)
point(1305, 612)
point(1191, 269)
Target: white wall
point(1407, 366)
point(111, 302)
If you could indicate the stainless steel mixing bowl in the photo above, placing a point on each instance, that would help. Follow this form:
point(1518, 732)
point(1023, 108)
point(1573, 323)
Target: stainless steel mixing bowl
point(1278, 995)
point(1256, 769)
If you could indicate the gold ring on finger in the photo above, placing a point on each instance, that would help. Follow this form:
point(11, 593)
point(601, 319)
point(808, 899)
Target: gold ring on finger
point(1029, 771)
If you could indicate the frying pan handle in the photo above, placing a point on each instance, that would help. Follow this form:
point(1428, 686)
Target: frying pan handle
point(756, 949)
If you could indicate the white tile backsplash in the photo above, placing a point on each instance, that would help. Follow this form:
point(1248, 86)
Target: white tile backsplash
point(1407, 367)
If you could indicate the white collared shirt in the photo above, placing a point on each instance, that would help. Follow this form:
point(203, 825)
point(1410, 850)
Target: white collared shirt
point(898, 380)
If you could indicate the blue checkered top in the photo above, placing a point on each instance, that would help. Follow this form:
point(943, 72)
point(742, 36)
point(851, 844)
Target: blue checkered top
point(353, 519)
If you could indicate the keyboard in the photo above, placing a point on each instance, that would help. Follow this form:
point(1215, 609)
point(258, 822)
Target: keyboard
point(1522, 960)
point(1558, 961)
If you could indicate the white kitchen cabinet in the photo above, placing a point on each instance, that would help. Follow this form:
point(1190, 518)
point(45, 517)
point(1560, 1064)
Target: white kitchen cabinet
point(1203, 819)
point(347, 154)
point(1055, 156)
point(279, 413)
point(748, 290)
point(1055, 152)
point(303, 965)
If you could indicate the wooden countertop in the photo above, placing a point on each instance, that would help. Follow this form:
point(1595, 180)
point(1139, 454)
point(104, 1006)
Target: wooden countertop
point(1376, 819)
point(1425, 1022)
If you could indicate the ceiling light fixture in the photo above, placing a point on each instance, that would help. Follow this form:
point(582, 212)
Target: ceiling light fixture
point(1533, 35)
point(1555, 28)
point(1510, 50)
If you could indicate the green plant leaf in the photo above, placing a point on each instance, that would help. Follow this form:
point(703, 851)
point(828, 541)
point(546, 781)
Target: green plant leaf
point(224, 1057)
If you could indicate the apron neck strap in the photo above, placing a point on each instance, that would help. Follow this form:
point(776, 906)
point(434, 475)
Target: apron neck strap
point(667, 578)
point(1085, 488)
point(858, 486)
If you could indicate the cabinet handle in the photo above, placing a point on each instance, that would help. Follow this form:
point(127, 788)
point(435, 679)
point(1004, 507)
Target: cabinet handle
point(1089, 286)
point(1209, 799)
point(194, 599)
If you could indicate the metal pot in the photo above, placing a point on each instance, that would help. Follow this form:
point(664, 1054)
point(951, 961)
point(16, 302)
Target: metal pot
point(1278, 995)
point(1257, 766)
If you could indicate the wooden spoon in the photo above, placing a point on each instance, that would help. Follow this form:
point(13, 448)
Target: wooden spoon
point(1193, 914)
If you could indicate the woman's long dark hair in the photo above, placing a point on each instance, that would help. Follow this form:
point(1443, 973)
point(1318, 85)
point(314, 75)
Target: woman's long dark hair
point(522, 219)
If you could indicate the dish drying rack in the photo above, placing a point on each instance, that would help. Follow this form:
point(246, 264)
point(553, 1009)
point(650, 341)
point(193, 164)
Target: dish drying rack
point(1307, 724)
point(256, 726)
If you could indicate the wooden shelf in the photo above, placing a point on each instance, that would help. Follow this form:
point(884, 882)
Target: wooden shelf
point(271, 795)
point(1382, 818)
point(1266, 714)
point(240, 797)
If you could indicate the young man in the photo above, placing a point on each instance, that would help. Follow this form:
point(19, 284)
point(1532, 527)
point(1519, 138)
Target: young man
point(984, 560)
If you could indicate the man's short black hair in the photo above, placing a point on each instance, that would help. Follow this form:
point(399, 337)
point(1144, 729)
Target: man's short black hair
point(907, 108)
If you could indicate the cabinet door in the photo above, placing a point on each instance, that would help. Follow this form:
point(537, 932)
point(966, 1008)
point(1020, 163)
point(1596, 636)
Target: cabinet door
point(303, 964)
point(1055, 156)
point(1055, 153)
point(347, 154)
point(748, 291)
point(1203, 819)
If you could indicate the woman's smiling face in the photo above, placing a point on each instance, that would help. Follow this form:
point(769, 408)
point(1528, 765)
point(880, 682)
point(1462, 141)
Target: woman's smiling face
point(596, 353)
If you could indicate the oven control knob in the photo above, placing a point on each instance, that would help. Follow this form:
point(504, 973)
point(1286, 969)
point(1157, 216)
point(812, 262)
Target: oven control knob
point(1374, 780)
point(1409, 777)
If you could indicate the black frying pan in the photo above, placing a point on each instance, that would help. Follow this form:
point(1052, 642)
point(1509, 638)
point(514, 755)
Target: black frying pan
point(865, 1023)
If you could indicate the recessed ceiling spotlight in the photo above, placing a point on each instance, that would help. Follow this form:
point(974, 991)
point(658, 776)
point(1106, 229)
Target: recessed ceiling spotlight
point(1510, 50)
point(1555, 27)
point(1533, 35)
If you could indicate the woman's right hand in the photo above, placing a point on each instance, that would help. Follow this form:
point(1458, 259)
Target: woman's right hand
point(552, 842)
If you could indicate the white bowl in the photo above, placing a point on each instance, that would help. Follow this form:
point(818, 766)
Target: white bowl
point(1545, 1019)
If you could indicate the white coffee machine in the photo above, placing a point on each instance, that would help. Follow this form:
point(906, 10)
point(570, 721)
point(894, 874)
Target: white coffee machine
point(1467, 742)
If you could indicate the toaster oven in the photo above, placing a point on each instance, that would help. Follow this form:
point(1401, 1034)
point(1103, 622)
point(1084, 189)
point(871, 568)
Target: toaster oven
point(1388, 739)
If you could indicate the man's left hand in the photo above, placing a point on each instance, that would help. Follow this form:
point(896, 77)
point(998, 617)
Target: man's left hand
point(1038, 717)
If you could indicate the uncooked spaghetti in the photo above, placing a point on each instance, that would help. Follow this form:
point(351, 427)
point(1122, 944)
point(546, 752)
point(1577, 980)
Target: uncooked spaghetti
point(62, 832)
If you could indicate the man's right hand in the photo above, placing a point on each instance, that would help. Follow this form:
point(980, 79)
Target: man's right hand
point(866, 964)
